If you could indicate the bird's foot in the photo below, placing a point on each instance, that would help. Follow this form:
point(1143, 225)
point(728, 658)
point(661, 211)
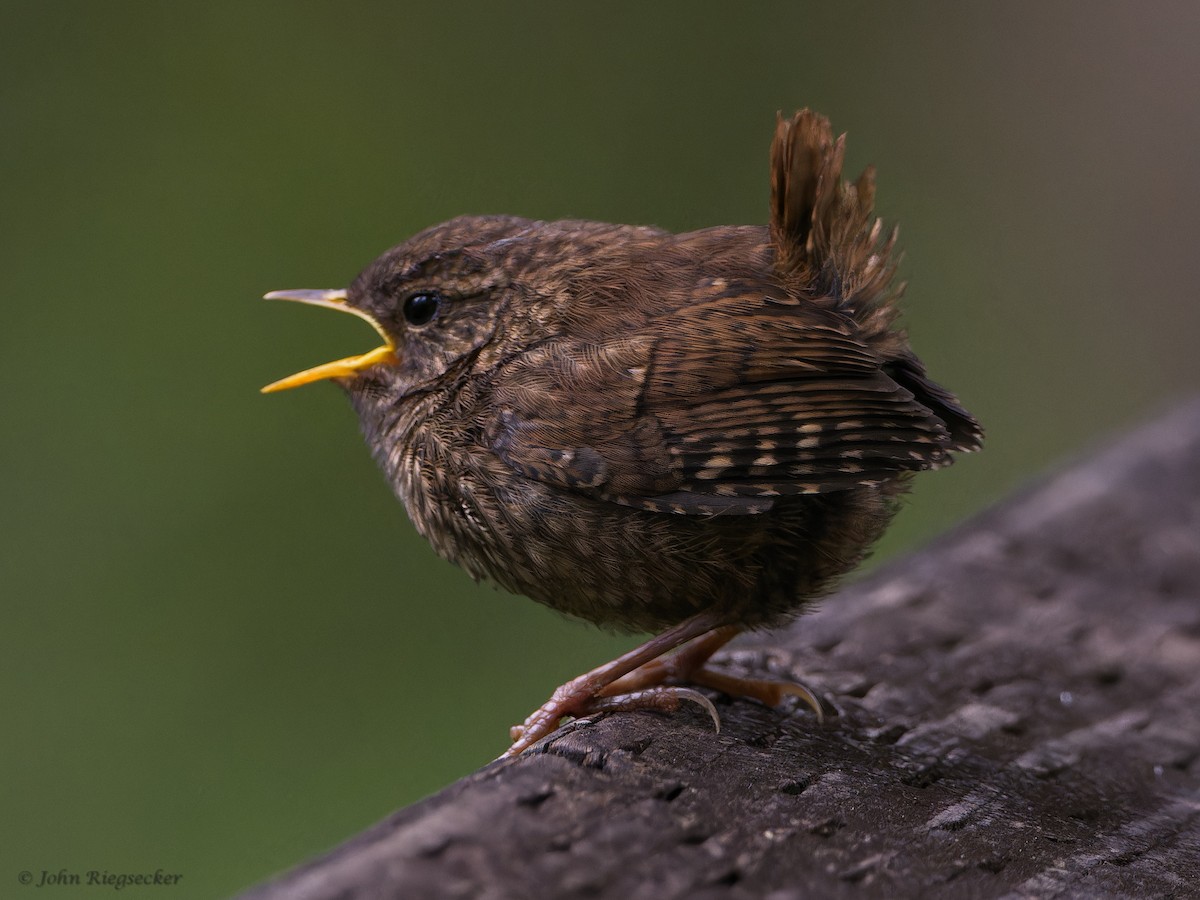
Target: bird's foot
point(591, 691)
point(569, 701)
point(688, 665)
point(665, 698)
point(650, 677)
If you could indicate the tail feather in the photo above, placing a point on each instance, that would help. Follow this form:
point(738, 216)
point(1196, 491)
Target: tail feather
point(827, 240)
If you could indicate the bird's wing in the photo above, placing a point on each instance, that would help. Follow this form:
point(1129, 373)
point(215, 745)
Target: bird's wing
point(723, 406)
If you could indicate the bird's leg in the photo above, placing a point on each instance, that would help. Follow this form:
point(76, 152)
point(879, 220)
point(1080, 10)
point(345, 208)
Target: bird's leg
point(677, 666)
point(576, 696)
point(688, 664)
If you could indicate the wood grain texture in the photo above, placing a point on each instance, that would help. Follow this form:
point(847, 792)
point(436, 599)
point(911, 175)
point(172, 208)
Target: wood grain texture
point(1019, 715)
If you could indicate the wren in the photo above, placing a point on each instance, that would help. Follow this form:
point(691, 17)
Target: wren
point(689, 434)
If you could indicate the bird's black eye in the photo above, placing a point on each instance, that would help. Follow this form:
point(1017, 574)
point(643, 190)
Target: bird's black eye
point(420, 308)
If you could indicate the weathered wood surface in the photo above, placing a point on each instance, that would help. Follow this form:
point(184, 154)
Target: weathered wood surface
point(1019, 715)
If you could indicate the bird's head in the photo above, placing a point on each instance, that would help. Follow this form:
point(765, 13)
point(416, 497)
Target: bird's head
point(436, 300)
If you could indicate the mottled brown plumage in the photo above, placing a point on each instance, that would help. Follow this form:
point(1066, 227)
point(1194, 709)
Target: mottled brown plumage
point(695, 432)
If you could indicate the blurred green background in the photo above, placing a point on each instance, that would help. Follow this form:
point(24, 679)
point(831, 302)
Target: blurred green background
point(223, 647)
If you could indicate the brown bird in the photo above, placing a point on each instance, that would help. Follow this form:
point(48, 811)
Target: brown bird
point(692, 434)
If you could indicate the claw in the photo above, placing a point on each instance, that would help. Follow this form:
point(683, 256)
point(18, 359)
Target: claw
point(769, 693)
point(810, 699)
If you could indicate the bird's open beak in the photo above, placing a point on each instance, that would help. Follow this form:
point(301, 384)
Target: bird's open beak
point(342, 367)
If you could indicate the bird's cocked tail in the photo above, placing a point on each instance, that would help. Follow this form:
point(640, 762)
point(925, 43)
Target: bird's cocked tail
point(824, 230)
